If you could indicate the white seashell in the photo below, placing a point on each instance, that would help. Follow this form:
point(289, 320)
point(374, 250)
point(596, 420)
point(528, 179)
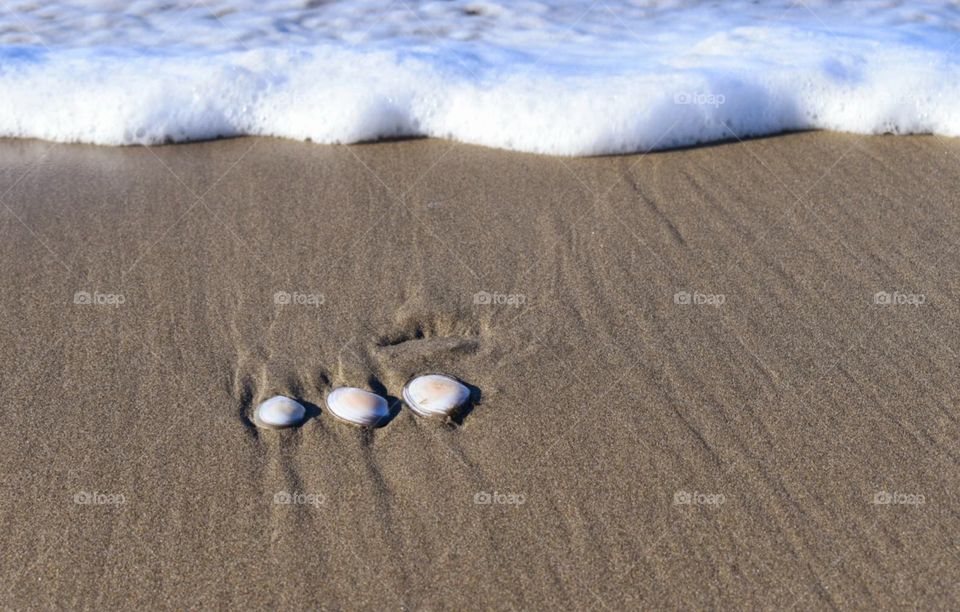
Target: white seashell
point(435, 395)
point(279, 412)
point(357, 406)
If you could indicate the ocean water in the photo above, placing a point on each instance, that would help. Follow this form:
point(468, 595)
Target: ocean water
point(561, 77)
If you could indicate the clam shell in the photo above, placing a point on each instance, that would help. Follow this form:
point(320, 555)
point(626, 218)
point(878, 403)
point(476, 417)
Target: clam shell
point(357, 406)
point(279, 412)
point(435, 395)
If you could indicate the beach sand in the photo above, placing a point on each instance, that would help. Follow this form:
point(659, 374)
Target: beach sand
point(627, 449)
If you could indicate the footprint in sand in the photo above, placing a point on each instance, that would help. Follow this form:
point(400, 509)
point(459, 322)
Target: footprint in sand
point(428, 339)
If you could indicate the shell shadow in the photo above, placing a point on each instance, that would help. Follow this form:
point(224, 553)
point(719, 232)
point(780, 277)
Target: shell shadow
point(394, 403)
point(457, 418)
point(312, 411)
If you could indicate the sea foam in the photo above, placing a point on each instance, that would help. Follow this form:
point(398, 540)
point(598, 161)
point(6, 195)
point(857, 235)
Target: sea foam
point(577, 77)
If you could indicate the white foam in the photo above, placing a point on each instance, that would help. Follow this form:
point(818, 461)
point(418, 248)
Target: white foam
point(573, 77)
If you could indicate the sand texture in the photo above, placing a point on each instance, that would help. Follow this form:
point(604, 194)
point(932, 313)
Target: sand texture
point(690, 393)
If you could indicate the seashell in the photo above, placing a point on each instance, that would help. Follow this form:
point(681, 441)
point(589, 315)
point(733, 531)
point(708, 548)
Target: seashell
point(357, 406)
point(279, 412)
point(435, 395)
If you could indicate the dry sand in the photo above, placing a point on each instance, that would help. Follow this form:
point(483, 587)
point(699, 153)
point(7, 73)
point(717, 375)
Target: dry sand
point(780, 414)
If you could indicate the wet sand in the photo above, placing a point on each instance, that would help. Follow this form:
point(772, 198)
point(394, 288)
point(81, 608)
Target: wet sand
point(717, 377)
